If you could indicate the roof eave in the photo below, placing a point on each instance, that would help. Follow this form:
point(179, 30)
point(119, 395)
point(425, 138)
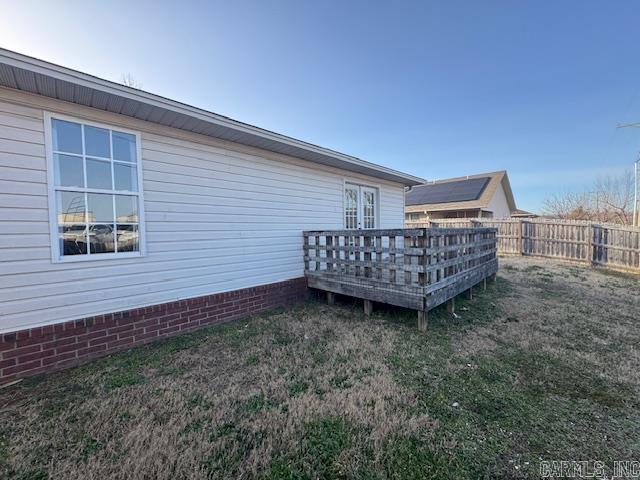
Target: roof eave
point(443, 207)
point(506, 185)
point(242, 133)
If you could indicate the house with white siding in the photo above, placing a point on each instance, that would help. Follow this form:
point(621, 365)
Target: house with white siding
point(126, 216)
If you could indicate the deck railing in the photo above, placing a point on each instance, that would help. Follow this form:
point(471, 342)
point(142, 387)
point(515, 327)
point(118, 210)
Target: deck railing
point(418, 268)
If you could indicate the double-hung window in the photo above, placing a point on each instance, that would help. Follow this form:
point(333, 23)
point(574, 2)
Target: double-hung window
point(95, 190)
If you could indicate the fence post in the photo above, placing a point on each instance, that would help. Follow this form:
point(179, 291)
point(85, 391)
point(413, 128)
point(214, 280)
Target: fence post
point(521, 237)
point(592, 243)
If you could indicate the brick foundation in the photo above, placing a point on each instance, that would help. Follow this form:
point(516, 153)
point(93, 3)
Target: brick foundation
point(54, 347)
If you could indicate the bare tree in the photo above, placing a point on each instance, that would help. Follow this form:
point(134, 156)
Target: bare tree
point(615, 198)
point(567, 205)
point(609, 200)
point(128, 80)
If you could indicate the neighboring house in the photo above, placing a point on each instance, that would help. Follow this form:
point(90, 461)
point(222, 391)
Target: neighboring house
point(126, 216)
point(517, 213)
point(486, 195)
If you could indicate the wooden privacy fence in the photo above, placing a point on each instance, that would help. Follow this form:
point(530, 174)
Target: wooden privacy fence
point(417, 268)
point(613, 246)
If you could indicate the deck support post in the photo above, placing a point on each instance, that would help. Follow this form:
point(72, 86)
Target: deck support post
point(422, 320)
point(368, 307)
point(469, 293)
point(492, 277)
point(484, 283)
point(331, 298)
point(451, 305)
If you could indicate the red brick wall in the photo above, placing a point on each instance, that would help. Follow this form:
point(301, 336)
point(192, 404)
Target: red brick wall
point(53, 347)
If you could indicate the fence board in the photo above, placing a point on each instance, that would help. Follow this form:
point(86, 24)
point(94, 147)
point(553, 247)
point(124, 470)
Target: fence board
point(612, 246)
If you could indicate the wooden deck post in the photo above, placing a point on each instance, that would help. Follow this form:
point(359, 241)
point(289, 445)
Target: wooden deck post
point(484, 283)
point(368, 307)
point(451, 305)
point(469, 293)
point(422, 320)
point(331, 298)
point(367, 257)
point(306, 251)
point(329, 253)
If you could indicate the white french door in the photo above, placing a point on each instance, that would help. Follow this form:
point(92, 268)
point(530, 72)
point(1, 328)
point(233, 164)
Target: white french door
point(360, 206)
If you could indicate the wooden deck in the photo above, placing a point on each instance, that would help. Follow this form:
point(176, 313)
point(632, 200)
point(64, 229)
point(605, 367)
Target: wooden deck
point(417, 268)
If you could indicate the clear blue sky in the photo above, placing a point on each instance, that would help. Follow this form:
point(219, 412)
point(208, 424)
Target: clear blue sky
point(436, 89)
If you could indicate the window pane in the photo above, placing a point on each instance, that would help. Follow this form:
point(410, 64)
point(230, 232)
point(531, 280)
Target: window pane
point(98, 174)
point(369, 205)
point(96, 142)
point(351, 208)
point(67, 136)
point(69, 171)
point(126, 208)
point(87, 157)
point(73, 239)
point(70, 207)
point(101, 239)
point(100, 208)
point(125, 177)
point(124, 146)
point(127, 236)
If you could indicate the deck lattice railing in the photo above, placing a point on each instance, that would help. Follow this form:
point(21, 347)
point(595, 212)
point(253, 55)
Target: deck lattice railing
point(417, 268)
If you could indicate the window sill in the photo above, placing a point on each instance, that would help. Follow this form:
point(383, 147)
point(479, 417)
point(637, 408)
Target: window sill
point(97, 257)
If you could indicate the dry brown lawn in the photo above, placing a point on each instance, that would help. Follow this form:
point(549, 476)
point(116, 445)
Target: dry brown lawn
point(544, 365)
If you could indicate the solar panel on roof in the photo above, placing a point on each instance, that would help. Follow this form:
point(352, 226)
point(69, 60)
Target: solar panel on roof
point(458, 191)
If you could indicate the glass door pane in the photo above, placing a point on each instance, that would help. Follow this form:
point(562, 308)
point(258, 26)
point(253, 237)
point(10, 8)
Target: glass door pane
point(351, 204)
point(368, 196)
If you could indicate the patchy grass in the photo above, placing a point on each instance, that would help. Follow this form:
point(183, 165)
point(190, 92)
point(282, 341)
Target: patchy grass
point(544, 365)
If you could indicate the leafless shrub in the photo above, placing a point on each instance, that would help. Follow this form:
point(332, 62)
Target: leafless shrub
point(129, 80)
point(610, 200)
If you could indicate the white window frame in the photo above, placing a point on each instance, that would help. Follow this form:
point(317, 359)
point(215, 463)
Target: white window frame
point(56, 255)
point(360, 217)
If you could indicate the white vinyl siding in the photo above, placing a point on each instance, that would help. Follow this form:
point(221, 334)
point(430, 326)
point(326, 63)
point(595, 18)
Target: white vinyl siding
point(219, 217)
